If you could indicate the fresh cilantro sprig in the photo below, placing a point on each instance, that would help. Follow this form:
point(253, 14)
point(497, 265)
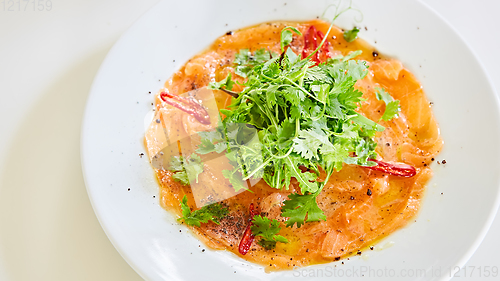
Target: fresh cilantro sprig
point(287, 36)
point(305, 116)
point(267, 230)
point(213, 212)
point(186, 169)
point(351, 35)
point(225, 83)
point(246, 60)
point(306, 119)
point(300, 206)
point(392, 107)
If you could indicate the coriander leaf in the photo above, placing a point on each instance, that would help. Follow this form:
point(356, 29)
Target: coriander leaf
point(382, 95)
point(213, 212)
point(307, 180)
point(176, 163)
point(225, 83)
point(235, 179)
point(391, 110)
point(317, 73)
point(186, 211)
point(245, 60)
point(181, 177)
point(294, 96)
point(368, 125)
point(351, 35)
point(334, 155)
point(270, 69)
point(286, 132)
point(212, 141)
point(357, 69)
point(391, 106)
point(334, 108)
point(287, 36)
point(308, 143)
point(267, 229)
point(298, 207)
point(186, 169)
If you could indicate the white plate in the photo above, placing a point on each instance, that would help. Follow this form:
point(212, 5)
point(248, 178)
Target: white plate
point(461, 199)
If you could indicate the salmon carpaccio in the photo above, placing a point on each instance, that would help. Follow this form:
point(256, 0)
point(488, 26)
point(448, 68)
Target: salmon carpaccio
point(361, 205)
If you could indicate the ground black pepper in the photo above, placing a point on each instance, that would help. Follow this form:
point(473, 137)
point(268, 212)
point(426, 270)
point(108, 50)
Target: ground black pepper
point(369, 192)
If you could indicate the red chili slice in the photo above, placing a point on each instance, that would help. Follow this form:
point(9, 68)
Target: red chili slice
point(310, 43)
point(312, 39)
point(395, 169)
point(187, 105)
point(247, 239)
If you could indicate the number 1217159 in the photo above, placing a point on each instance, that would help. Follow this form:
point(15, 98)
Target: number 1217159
point(26, 5)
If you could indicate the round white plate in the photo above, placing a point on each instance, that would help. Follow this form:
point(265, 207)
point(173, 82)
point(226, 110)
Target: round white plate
point(461, 199)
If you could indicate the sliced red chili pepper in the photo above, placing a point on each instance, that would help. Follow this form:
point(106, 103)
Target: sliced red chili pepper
point(247, 239)
point(188, 105)
point(312, 39)
point(310, 43)
point(326, 50)
point(395, 169)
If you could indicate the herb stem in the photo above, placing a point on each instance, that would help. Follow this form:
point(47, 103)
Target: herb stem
point(303, 90)
point(281, 156)
point(319, 115)
point(231, 93)
point(258, 168)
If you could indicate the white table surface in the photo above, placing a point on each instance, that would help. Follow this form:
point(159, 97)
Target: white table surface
point(48, 59)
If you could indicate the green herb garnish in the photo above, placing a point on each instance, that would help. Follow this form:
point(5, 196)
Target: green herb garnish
point(225, 83)
point(186, 169)
point(391, 106)
point(299, 206)
point(245, 60)
point(267, 229)
point(213, 212)
point(351, 35)
point(305, 116)
point(293, 118)
point(287, 36)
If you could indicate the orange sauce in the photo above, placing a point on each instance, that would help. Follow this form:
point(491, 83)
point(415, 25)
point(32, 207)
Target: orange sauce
point(362, 206)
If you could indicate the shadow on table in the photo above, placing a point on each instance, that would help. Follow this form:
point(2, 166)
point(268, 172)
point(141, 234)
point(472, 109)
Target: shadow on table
point(48, 228)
